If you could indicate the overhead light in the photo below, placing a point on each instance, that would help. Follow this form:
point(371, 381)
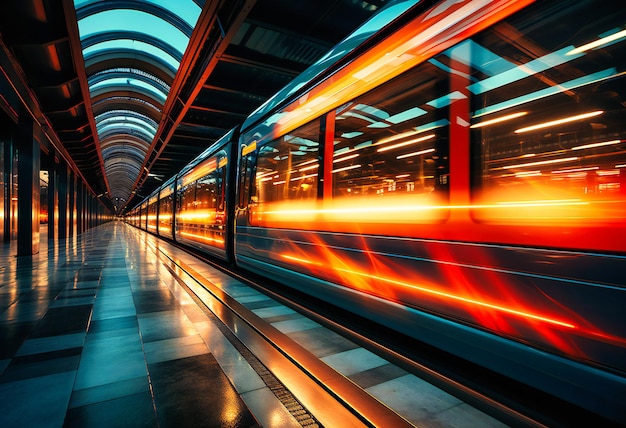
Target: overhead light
point(559, 121)
point(406, 143)
point(499, 119)
point(421, 152)
point(546, 162)
point(604, 143)
point(600, 42)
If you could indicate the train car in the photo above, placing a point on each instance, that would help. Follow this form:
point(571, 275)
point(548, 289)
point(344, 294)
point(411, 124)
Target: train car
point(457, 171)
point(152, 212)
point(205, 199)
point(143, 215)
point(166, 209)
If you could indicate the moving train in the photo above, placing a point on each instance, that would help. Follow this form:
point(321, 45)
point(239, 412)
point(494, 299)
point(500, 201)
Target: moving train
point(454, 170)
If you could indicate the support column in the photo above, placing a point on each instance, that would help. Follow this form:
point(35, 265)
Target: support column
point(80, 202)
point(63, 200)
point(52, 195)
point(72, 204)
point(28, 198)
point(7, 171)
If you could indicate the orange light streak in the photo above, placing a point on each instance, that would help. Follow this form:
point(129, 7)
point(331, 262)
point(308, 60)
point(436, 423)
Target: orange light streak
point(247, 149)
point(202, 238)
point(417, 208)
point(443, 294)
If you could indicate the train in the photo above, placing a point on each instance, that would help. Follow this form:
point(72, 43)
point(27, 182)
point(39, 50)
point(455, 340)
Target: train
point(453, 170)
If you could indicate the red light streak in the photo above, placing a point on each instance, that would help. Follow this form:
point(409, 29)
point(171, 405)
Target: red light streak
point(442, 294)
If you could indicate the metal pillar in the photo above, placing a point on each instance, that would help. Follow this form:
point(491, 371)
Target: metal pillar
point(72, 204)
point(80, 203)
point(52, 195)
point(28, 198)
point(63, 199)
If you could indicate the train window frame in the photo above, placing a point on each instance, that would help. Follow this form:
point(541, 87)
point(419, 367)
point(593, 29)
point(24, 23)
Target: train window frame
point(306, 180)
point(562, 155)
point(409, 118)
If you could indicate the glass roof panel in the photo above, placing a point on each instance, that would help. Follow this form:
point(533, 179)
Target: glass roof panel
point(188, 10)
point(131, 85)
point(141, 22)
point(133, 45)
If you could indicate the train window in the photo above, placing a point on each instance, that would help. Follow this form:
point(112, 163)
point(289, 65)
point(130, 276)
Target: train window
point(287, 168)
point(166, 207)
point(391, 148)
point(200, 207)
point(549, 114)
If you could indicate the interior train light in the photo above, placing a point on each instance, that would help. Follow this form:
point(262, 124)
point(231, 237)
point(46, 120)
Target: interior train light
point(600, 42)
point(346, 168)
point(308, 168)
point(604, 143)
point(499, 119)
point(304, 177)
point(528, 174)
point(395, 137)
point(559, 121)
point(421, 152)
point(406, 143)
point(565, 171)
point(345, 158)
point(546, 162)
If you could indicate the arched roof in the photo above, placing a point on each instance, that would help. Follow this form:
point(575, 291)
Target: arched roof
point(132, 51)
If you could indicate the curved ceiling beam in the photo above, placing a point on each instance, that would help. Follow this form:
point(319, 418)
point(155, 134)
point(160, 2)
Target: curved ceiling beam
point(129, 74)
point(110, 98)
point(89, 43)
point(129, 141)
point(130, 59)
point(153, 57)
point(152, 94)
point(104, 105)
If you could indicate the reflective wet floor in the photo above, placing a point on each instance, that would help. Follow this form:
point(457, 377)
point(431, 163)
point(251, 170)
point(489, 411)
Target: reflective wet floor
point(101, 331)
point(92, 336)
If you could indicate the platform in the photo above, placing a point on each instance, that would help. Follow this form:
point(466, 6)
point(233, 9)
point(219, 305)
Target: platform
point(108, 330)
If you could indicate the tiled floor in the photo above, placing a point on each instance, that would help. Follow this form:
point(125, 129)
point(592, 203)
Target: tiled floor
point(97, 332)
point(94, 333)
